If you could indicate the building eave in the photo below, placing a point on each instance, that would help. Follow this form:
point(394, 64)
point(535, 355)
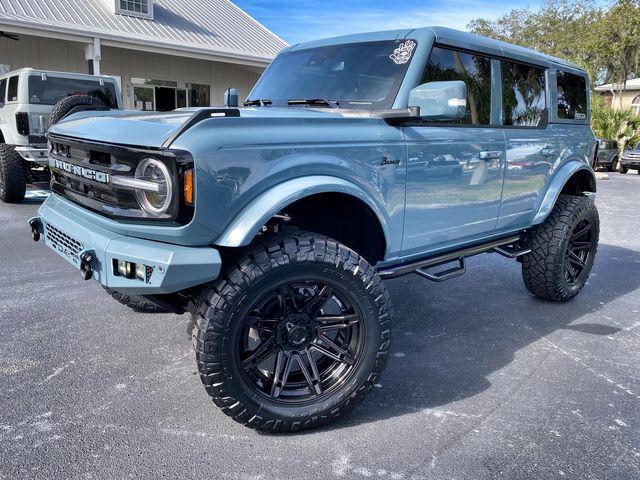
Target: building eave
point(146, 44)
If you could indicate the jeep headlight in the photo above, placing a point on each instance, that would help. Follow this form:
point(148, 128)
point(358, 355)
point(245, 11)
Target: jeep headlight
point(155, 200)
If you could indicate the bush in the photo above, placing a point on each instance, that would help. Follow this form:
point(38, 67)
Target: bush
point(623, 126)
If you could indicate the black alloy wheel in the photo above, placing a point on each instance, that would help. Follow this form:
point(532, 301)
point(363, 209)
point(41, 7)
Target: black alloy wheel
point(301, 341)
point(579, 251)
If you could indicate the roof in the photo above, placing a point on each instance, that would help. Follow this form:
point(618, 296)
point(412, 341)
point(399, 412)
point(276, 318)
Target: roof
point(202, 27)
point(630, 85)
point(448, 36)
point(38, 71)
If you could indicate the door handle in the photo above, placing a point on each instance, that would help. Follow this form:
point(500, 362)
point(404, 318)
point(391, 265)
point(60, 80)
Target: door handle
point(490, 155)
point(548, 152)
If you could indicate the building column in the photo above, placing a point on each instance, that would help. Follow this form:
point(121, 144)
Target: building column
point(93, 55)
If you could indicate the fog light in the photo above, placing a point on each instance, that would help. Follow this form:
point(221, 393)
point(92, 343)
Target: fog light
point(122, 268)
point(140, 271)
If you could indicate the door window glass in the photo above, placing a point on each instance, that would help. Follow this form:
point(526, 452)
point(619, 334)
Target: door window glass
point(523, 95)
point(3, 91)
point(12, 92)
point(474, 70)
point(572, 96)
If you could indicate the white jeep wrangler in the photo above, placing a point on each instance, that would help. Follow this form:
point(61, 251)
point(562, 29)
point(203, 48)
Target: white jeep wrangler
point(27, 98)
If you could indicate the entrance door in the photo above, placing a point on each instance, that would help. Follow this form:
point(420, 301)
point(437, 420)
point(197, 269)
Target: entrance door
point(455, 170)
point(165, 99)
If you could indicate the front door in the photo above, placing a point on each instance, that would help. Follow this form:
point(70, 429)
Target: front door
point(455, 171)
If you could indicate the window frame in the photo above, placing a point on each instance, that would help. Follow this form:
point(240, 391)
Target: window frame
point(547, 97)
point(574, 121)
point(496, 72)
point(3, 91)
point(132, 13)
point(17, 79)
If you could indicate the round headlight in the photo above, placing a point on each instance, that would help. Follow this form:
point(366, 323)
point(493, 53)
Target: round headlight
point(155, 200)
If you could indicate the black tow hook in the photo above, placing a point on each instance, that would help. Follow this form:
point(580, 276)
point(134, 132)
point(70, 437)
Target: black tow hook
point(85, 266)
point(36, 226)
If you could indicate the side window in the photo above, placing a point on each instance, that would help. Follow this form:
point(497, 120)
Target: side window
point(523, 95)
point(3, 91)
point(12, 92)
point(572, 96)
point(472, 69)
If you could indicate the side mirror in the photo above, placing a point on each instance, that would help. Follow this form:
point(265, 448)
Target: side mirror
point(231, 98)
point(440, 100)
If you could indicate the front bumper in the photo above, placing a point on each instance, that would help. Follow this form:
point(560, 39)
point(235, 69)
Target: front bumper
point(33, 154)
point(68, 230)
point(630, 162)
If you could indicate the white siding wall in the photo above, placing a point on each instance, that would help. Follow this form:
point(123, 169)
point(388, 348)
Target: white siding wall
point(67, 56)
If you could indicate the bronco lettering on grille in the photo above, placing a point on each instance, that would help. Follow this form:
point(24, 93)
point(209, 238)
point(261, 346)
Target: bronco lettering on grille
point(79, 171)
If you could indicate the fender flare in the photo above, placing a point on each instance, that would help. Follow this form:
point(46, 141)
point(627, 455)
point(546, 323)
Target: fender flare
point(250, 220)
point(560, 179)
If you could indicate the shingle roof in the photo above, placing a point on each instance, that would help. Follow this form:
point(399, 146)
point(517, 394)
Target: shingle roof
point(215, 26)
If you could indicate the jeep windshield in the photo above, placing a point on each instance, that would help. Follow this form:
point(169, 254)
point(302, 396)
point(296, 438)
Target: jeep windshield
point(52, 89)
point(357, 75)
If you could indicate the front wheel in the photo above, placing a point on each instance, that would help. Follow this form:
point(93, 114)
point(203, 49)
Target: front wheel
point(623, 169)
point(563, 249)
point(294, 334)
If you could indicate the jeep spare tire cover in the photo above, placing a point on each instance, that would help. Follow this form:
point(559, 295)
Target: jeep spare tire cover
point(64, 106)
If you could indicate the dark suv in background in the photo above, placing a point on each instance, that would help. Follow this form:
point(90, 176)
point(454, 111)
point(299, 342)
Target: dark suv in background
point(630, 160)
point(607, 155)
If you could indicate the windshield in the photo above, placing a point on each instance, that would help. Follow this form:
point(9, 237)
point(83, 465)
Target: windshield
point(358, 75)
point(53, 89)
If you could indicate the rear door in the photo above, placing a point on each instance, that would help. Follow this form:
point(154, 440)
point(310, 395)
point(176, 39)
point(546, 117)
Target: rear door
point(454, 177)
point(532, 148)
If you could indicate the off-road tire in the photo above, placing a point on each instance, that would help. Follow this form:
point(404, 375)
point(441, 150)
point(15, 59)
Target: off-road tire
point(219, 318)
point(64, 106)
point(543, 269)
point(613, 165)
point(13, 176)
point(135, 302)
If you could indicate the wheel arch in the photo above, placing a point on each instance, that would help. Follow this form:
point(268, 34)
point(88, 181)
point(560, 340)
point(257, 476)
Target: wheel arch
point(574, 178)
point(297, 193)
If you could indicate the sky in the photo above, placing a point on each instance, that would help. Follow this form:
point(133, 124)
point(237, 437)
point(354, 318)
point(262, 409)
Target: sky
point(301, 20)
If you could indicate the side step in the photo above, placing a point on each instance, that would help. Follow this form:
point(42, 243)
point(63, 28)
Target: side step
point(507, 247)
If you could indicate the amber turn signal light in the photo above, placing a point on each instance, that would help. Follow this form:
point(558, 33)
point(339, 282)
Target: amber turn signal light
point(188, 187)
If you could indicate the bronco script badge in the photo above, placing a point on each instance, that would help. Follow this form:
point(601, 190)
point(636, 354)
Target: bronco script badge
point(402, 54)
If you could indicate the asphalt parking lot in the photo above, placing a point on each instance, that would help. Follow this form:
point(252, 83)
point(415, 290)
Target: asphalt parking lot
point(485, 381)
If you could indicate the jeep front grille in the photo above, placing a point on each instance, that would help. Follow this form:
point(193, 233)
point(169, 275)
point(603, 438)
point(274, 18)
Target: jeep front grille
point(61, 240)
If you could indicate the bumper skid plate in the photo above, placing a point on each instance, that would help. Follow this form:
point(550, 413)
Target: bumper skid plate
point(95, 252)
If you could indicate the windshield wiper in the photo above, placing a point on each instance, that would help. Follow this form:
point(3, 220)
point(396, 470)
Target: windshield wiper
point(314, 101)
point(257, 102)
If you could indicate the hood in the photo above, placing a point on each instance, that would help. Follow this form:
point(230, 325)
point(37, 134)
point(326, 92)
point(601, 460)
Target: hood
point(153, 129)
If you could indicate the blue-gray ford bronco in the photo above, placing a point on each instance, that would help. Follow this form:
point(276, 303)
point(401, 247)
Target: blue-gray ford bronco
point(354, 160)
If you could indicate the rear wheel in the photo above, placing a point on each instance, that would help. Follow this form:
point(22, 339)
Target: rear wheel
point(294, 334)
point(13, 175)
point(563, 249)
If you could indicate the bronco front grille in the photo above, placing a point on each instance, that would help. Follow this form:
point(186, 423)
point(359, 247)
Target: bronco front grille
point(61, 240)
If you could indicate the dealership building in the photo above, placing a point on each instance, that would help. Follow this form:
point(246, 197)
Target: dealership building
point(165, 54)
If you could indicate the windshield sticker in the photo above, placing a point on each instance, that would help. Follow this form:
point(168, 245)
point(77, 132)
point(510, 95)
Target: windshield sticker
point(402, 54)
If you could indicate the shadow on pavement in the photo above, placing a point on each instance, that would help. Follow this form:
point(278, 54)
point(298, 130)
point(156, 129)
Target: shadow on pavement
point(449, 338)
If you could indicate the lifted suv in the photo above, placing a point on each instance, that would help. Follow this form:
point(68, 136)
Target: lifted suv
point(356, 159)
point(27, 98)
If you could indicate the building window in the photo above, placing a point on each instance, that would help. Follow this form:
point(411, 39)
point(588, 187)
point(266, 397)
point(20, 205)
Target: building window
point(199, 95)
point(635, 104)
point(136, 8)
